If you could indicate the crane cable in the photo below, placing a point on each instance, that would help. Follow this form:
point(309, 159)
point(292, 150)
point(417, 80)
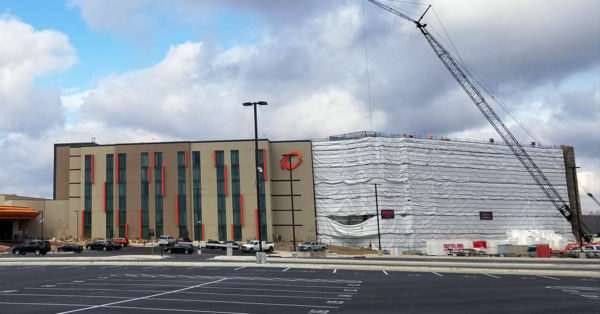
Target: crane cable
point(480, 81)
point(367, 63)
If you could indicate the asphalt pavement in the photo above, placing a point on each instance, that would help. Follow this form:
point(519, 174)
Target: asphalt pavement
point(214, 289)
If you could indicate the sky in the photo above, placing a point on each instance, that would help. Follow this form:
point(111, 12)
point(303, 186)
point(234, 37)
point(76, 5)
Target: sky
point(148, 70)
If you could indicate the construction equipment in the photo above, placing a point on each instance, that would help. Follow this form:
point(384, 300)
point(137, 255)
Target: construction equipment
point(510, 140)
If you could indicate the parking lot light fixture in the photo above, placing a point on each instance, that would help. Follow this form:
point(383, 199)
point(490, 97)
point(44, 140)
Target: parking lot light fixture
point(257, 168)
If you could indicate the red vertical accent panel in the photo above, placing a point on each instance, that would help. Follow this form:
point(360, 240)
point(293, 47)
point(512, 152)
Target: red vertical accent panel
point(241, 210)
point(256, 218)
point(177, 209)
point(225, 178)
point(231, 232)
point(117, 167)
point(163, 181)
point(265, 164)
point(105, 196)
point(202, 231)
point(92, 164)
point(215, 157)
point(82, 223)
point(140, 223)
point(186, 158)
point(127, 231)
point(118, 211)
point(154, 160)
point(149, 173)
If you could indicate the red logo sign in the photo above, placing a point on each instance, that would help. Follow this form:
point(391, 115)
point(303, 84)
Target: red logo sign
point(285, 161)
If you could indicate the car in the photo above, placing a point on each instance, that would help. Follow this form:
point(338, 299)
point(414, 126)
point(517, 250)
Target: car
point(234, 245)
point(165, 240)
point(123, 242)
point(104, 245)
point(39, 247)
point(591, 250)
point(254, 246)
point(312, 246)
point(70, 247)
point(212, 244)
point(180, 247)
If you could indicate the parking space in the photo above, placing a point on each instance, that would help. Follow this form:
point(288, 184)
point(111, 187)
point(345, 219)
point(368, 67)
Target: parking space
point(177, 290)
point(242, 289)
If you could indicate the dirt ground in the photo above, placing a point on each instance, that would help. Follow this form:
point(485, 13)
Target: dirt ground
point(289, 246)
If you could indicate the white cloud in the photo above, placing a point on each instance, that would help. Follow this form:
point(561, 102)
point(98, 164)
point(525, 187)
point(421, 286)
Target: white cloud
point(26, 56)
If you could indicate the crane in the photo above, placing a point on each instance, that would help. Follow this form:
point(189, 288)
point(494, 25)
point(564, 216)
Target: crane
point(510, 140)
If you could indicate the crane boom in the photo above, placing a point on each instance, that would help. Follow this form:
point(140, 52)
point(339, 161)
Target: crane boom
point(510, 140)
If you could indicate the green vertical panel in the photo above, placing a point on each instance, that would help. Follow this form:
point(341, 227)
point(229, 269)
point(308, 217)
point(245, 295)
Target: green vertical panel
point(221, 201)
point(109, 199)
point(122, 194)
point(181, 191)
point(263, 203)
point(145, 195)
point(235, 195)
point(158, 198)
point(197, 197)
point(87, 203)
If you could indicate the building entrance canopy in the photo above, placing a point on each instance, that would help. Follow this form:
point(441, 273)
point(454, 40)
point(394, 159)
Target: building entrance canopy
point(17, 213)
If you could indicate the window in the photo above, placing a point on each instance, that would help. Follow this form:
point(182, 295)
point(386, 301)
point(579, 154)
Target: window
point(181, 198)
point(263, 203)
point(351, 219)
point(145, 195)
point(236, 198)
point(87, 203)
point(486, 216)
point(197, 196)
point(221, 194)
point(122, 179)
point(108, 196)
point(158, 191)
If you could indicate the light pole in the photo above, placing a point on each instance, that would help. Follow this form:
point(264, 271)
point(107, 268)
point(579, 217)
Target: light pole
point(289, 163)
point(257, 169)
point(377, 214)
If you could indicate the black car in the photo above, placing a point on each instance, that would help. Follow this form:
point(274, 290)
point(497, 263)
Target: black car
point(39, 247)
point(70, 247)
point(104, 245)
point(180, 247)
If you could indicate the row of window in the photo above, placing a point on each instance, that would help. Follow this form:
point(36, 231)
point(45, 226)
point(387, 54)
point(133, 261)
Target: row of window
point(118, 175)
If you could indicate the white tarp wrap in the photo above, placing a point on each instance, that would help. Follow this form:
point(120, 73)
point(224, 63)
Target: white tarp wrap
point(436, 188)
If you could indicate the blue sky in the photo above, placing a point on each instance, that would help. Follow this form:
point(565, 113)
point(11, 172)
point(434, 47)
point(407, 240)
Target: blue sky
point(143, 70)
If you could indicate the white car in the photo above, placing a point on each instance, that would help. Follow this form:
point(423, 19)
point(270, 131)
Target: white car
point(165, 240)
point(591, 250)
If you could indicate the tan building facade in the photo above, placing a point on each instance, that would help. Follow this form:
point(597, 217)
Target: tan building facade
point(200, 190)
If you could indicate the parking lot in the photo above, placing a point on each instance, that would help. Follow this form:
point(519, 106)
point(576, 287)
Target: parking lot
point(207, 289)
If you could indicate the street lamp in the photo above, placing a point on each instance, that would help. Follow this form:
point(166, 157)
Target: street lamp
point(289, 160)
point(377, 214)
point(246, 104)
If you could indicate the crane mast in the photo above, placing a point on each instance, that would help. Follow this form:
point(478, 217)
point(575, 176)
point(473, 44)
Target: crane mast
point(517, 149)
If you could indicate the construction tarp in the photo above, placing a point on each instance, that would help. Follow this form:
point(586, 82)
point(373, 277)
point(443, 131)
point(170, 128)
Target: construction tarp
point(436, 188)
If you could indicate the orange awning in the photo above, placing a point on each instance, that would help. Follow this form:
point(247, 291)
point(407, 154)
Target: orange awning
point(17, 212)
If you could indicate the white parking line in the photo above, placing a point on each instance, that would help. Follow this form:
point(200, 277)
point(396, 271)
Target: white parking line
point(385, 272)
point(141, 298)
point(335, 270)
point(492, 276)
point(548, 277)
point(286, 269)
point(125, 307)
point(240, 268)
point(438, 274)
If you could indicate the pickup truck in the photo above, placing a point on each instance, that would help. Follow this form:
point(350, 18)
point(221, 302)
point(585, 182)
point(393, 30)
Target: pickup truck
point(312, 246)
point(165, 240)
point(252, 246)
